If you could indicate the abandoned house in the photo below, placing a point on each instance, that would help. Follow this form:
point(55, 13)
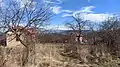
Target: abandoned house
point(10, 39)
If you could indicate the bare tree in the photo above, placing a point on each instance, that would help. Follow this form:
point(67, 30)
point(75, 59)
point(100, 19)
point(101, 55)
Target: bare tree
point(91, 35)
point(77, 25)
point(109, 33)
point(25, 13)
point(111, 23)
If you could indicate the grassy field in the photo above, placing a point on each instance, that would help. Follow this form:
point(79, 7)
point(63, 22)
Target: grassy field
point(50, 55)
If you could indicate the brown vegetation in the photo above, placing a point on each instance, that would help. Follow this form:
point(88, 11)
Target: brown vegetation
point(101, 50)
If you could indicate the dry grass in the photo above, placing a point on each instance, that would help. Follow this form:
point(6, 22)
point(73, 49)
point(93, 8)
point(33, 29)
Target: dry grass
point(49, 55)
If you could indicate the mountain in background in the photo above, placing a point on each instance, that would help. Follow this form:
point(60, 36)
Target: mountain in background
point(65, 32)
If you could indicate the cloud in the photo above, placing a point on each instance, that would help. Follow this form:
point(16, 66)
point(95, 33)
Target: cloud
point(87, 13)
point(92, 16)
point(57, 27)
point(87, 9)
point(50, 2)
point(53, 2)
point(58, 10)
point(67, 15)
point(96, 17)
point(62, 27)
point(67, 11)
